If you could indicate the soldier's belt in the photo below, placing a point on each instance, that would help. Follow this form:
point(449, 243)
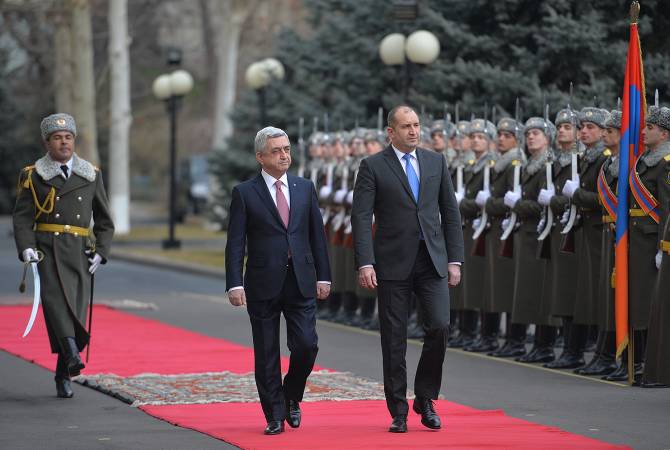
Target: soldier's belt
point(665, 246)
point(56, 228)
point(636, 212)
point(608, 219)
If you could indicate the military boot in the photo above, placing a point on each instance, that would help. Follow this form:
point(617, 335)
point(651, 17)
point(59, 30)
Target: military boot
point(73, 361)
point(62, 379)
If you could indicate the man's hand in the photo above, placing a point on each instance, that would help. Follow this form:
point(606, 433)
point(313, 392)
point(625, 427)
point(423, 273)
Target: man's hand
point(454, 274)
point(93, 261)
point(322, 290)
point(545, 196)
point(570, 187)
point(511, 198)
point(237, 297)
point(482, 197)
point(29, 255)
point(367, 277)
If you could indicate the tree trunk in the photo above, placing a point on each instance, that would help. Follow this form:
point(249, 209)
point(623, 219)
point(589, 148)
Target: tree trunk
point(83, 81)
point(120, 115)
point(227, 20)
point(63, 86)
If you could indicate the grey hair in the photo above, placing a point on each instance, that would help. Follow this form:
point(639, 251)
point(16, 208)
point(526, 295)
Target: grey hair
point(261, 140)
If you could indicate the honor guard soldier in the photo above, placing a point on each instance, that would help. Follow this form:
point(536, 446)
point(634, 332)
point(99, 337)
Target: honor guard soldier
point(57, 199)
point(583, 193)
point(501, 267)
point(530, 274)
point(441, 134)
point(463, 322)
point(475, 272)
point(649, 210)
point(604, 362)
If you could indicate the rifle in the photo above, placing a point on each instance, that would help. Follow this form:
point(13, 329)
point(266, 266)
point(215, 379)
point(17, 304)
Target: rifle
point(544, 248)
point(301, 148)
point(478, 235)
point(507, 238)
point(314, 172)
point(568, 242)
point(460, 188)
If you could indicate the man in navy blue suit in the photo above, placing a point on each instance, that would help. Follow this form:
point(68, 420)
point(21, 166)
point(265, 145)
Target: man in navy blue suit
point(276, 217)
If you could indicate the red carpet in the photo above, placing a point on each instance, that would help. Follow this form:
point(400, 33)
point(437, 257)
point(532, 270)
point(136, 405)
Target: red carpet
point(164, 349)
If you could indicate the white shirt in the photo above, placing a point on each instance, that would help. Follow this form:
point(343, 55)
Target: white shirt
point(413, 160)
point(69, 168)
point(270, 182)
point(272, 187)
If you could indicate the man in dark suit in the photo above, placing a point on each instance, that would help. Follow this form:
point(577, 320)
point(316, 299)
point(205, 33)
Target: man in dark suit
point(277, 216)
point(417, 248)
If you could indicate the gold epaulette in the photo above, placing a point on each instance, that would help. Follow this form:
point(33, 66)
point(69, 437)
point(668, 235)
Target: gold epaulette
point(516, 162)
point(492, 162)
point(607, 152)
point(28, 170)
point(471, 162)
point(667, 158)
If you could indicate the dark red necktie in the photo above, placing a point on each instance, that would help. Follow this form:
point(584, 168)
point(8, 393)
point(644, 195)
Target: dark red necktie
point(282, 204)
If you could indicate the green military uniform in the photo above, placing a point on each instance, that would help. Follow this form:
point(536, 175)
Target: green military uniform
point(653, 169)
point(657, 360)
point(606, 316)
point(52, 214)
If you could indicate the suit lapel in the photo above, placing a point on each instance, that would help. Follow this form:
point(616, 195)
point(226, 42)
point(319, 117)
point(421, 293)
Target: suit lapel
point(295, 199)
point(396, 167)
point(72, 183)
point(423, 172)
point(264, 194)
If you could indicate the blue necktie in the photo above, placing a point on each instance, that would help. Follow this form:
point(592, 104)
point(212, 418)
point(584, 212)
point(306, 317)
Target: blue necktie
point(412, 176)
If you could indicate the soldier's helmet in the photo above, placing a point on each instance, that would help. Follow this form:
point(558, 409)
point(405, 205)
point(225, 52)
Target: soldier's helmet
point(567, 116)
point(594, 115)
point(614, 119)
point(538, 123)
point(509, 125)
point(483, 126)
point(659, 116)
point(463, 127)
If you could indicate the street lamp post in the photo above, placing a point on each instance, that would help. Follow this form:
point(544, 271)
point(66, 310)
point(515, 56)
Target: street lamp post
point(171, 88)
point(419, 48)
point(258, 76)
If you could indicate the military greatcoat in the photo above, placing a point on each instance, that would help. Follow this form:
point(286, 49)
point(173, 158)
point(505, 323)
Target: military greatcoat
point(46, 197)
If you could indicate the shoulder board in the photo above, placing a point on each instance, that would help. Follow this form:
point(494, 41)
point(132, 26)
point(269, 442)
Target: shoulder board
point(667, 158)
point(492, 162)
point(607, 152)
point(471, 162)
point(28, 168)
point(516, 162)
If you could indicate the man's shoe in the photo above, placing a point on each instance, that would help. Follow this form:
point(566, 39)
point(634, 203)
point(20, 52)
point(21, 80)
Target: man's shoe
point(540, 355)
point(63, 387)
point(510, 350)
point(73, 361)
point(399, 424)
point(485, 345)
point(274, 427)
point(598, 366)
point(293, 413)
point(568, 360)
point(429, 417)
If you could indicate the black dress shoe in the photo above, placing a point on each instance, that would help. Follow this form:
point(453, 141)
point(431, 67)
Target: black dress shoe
point(540, 355)
point(621, 374)
point(63, 387)
point(568, 360)
point(274, 427)
point(510, 350)
point(429, 417)
point(486, 344)
point(293, 413)
point(399, 424)
point(598, 366)
point(73, 361)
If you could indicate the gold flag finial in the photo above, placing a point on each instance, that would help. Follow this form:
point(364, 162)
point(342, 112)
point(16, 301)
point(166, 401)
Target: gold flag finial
point(634, 12)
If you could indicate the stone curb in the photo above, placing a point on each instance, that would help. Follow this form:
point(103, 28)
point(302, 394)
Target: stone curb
point(162, 263)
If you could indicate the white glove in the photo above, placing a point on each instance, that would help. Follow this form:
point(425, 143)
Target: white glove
point(545, 196)
point(350, 197)
point(339, 196)
point(476, 223)
point(29, 255)
point(659, 257)
point(565, 217)
point(540, 225)
point(504, 224)
point(481, 198)
point(570, 187)
point(324, 192)
point(511, 198)
point(459, 197)
point(94, 262)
